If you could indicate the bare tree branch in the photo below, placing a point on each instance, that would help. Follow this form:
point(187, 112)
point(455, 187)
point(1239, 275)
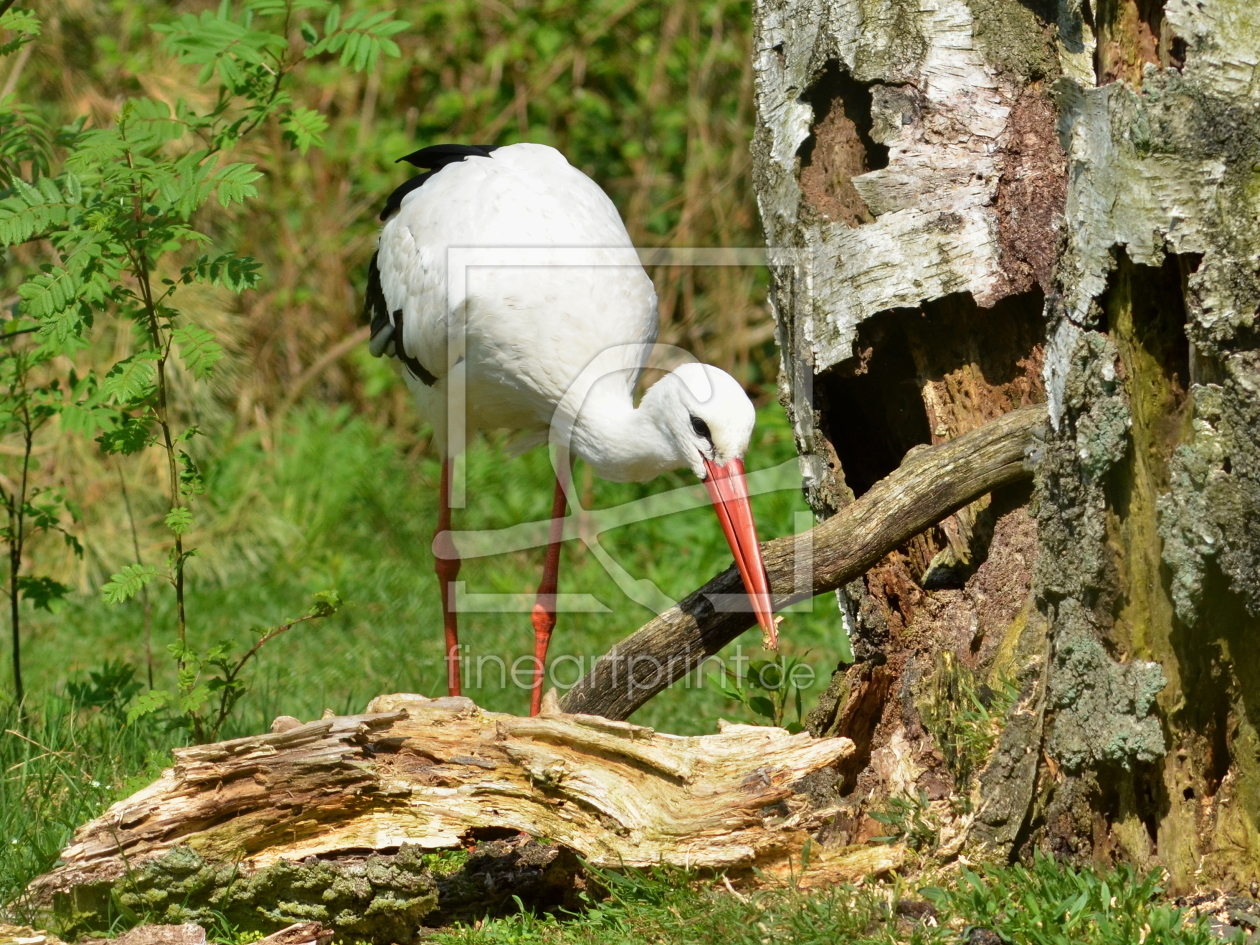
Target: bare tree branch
point(931, 483)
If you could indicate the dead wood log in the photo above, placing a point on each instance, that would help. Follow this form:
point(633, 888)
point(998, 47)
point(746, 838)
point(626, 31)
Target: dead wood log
point(433, 773)
point(930, 484)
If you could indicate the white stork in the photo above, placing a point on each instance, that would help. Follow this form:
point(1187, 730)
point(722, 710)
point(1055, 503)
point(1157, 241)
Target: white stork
point(546, 345)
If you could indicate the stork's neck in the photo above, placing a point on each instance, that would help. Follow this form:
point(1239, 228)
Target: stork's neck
point(622, 442)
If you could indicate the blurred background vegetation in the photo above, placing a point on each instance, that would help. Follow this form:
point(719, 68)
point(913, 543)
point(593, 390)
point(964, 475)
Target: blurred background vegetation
point(317, 468)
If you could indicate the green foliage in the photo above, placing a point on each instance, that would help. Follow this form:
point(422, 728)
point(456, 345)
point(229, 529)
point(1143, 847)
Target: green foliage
point(964, 716)
point(1049, 904)
point(909, 820)
point(42, 592)
point(29, 399)
point(304, 128)
point(769, 688)
point(62, 763)
point(23, 134)
point(109, 689)
point(360, 38)
point(127, 583)
point(121, 216)
point(210, 681)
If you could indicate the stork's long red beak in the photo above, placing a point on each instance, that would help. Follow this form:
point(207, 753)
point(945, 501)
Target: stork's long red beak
point(729, 493)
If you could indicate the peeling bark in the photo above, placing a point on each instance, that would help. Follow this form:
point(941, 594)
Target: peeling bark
point(916, 323)
point(1118, 182)
point(1077, 222)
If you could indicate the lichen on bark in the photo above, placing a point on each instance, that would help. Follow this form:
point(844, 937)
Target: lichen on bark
point(1212, 510)
point(1152, 550)
point(1138, 727)
point(1100, 708)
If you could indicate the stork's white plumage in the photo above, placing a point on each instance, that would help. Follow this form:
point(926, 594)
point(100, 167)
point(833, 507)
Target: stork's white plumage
point(553, 339)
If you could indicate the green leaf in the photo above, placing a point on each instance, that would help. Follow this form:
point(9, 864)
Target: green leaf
point(192, 700)
point(303, 127)
point(18, 21)
point(74, 189)
point(199, 350)
point(147, 704)
point(43, 592)
point(131, 380)
point(762, 706)
point(190, 482)
point(83, 419)
point(50, 293)
point(30, 195)
point(18, 223)
point(326, 604)
point(234, 272)
point(129, 435)
point(179, 520)
point(127, 583)
point(361, 38)
point(234, 183)
point(934, 893)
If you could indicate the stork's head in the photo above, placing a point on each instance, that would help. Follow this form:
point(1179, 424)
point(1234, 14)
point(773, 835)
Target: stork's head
point(707, 416)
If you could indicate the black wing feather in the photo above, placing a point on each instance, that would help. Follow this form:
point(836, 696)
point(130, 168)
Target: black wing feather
point(432, 159)
point(388, 328)
point(386, 331)
point(439, 155)
point(396, 198)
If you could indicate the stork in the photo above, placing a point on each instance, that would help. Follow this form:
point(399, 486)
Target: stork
point(530, 348)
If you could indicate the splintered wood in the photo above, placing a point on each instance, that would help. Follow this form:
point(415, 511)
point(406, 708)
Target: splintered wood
point(433, 772)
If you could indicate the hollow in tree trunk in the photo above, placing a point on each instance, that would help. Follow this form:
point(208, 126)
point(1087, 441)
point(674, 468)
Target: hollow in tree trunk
point(976, 204)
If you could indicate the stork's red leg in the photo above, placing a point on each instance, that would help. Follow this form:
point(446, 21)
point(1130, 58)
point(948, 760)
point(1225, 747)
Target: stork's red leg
point(544, 617)
point(446, 564)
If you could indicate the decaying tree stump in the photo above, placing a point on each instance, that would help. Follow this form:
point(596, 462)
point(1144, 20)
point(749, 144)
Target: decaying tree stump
point(329, 820)
point(975, 204)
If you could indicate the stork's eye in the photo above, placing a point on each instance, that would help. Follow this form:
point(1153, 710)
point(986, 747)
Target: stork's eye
point(701, 428)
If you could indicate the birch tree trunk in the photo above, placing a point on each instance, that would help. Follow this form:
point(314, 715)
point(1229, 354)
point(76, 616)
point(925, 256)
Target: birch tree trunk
point(977, 204)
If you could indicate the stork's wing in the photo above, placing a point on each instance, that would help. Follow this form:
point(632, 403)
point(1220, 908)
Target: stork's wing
point(387, 329)
point(522, 325)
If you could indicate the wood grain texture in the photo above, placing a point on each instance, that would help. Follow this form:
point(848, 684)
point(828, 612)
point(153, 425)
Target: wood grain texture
point(432, 772)
point(931, 483)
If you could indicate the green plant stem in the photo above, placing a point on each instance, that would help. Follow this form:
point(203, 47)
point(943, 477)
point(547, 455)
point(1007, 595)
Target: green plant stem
point(227, 701)
point(144, 591)
point(140, 270)
point(14, 562)
point(17, 533)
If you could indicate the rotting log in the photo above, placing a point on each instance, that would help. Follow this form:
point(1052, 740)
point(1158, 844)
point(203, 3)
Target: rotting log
point(432, 774)
point(931, 483)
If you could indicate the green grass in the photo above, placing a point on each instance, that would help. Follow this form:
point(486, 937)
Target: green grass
point(338, 502)
point(335, 501)
point(60, 767)
point(1046, 904)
